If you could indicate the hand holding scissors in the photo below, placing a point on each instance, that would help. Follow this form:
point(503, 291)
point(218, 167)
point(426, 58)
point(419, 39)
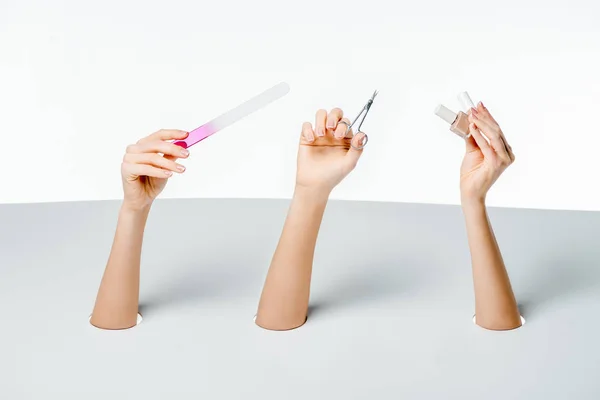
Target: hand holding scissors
point(330, 151)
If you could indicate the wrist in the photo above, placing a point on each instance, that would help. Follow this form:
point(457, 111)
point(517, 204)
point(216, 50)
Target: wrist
point(313, 194)
point(133, 209)
point(472, 203)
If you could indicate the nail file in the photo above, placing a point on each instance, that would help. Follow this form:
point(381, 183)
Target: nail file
point(234, 115)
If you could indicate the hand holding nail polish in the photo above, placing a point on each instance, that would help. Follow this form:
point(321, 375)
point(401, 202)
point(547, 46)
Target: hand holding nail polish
point(488, 154)
point(148, 164)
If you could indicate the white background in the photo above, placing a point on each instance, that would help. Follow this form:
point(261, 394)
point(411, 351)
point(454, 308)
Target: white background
point(79, 80)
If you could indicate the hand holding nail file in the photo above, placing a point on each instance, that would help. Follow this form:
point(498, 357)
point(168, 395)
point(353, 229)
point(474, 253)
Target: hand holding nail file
point(234, 115)
point(459, 123)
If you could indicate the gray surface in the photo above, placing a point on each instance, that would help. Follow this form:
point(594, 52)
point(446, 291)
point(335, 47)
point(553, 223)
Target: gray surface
point(390, 318)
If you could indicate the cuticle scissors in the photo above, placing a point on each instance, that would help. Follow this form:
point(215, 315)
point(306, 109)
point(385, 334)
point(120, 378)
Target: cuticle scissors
point(363, 112)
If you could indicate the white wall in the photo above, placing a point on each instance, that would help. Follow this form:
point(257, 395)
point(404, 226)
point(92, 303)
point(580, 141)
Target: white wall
point(80, 80)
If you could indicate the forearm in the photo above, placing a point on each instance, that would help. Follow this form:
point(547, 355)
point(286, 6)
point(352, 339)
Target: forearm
point(117, 301)
point(284, 301)
point(495, 304)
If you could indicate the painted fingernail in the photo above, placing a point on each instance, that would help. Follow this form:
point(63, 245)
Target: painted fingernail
point(185, 153)
point(473, 111)
point(168, 173)
point(180, 168)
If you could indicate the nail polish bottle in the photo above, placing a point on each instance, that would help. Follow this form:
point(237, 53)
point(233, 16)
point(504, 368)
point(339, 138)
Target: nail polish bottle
point(465, 101)
point(459, 123)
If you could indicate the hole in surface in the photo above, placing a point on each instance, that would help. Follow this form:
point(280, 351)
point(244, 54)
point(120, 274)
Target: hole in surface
point(139, 321)
point(277, 330)
point(475, 321)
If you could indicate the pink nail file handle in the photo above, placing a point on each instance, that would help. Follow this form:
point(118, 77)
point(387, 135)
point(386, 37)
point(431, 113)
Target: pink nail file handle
point(197, 135)
point(234, 115)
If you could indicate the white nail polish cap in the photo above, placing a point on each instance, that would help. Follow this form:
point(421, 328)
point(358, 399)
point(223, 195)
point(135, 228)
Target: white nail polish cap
point(446, 114)
point(465, 101)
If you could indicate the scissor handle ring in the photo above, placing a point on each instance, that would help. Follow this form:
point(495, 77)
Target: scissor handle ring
point(364, 141)
point(347, 126)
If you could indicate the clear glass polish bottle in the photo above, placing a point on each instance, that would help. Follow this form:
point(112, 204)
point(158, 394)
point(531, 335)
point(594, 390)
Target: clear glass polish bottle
point(459, 123)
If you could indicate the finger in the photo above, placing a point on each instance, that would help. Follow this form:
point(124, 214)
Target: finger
point(471, 144)
point(481, 142)
point(320, 119)
point(493, 133)
point(509, 149)
point(165, 134)
point(333, 118)
point(487, 122)
point(355, 151)
point(159, 146)
point(343, 129)
point(485, 112)
point(155, 160)
point(137, 170)
point(307, 132)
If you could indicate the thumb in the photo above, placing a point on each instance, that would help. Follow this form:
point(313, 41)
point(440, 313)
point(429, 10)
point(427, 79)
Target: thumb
point(357, 144)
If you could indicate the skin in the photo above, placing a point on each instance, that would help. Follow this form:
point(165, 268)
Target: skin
point(485, 160)
point(325, 158)
point(146, 167)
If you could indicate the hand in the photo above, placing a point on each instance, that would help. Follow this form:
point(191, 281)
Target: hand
point(325, 155)
point(484, 160)
point(148, 164)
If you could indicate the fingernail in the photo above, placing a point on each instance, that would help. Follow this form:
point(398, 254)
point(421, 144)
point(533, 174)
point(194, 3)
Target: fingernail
point(168, 173)
point(185, 153)
point(360, 138)
point(330, 124)
point(320, 131)
point(180, 168)
point(473, 111)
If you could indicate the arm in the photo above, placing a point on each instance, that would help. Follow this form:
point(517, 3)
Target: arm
point(484, 162)
point(324, 159)
point(495, 303)
point(284, 300)
point(145, 173)
point(117, 301)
